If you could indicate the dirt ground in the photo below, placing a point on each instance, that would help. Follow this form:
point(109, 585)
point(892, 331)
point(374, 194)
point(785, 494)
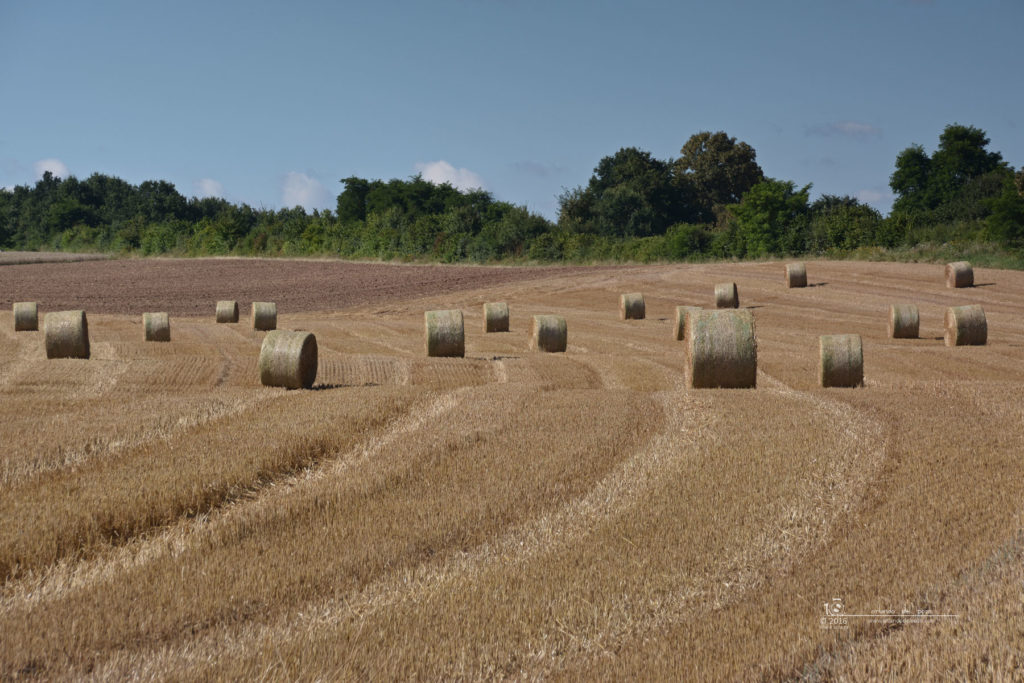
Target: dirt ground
point(192, 286)
point(511, 514)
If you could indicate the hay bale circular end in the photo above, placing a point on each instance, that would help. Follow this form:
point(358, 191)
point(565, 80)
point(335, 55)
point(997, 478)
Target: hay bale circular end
point(959, 274)
point(631, 306)
point(965, 326)
point(445, 333)
point(496, 317)
point(227, 311)
point(157, 327)
point(796, 275)
point(727, 295)
point(679, 331)
point(66, 334)
point(264, 315)
point(26, 316)
point(288, 359)
point(722, 349)
point(549, 333)
point(841, 360)
point(904, 321)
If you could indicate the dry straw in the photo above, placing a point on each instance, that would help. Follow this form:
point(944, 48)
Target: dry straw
point(727, 296)
point(264, 315)
point(26, 316)
point(67, 334)
point(157, 327)
point(904, 321)
point(722, 349)
point(227, 311)
point(631, 306)
point(496, 317)
point(549, 333)
point(966, 326)
point(680, 326)
point(796, 275)
point(288, 359)
point(842, 360)
point(959, 274)
point(445, 333)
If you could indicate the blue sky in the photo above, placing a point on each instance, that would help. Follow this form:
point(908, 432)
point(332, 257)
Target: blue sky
point(273, 103)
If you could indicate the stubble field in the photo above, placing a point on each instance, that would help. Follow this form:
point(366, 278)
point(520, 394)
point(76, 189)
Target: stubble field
point(511, 514)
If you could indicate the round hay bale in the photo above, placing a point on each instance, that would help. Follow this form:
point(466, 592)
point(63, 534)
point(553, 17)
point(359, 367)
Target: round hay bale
point(959, 274)
point(722, 349)
point(445, 333)
point(680, 326)
point(549, 333)
point(496, 317)
point(288, 359)
point(26, 316)
point(904, 321)
point(264, 315)
point(631, 306)
point(966, 326)
point(67, 334)
point(796, 275)
point(227, 311)
point(157, 327)
point(842, 360)
point(727, 296)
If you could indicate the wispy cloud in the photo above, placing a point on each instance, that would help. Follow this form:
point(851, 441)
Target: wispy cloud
point(538, 169)
point(54, 166)
point(872, 196)
point(852, 129)
point(299, 189)
point(440, 172)
point(208, 187)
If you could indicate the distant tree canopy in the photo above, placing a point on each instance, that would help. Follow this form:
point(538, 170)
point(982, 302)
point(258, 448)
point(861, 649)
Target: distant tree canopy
point(632, 194)
point(714, 200)
point(957, 176)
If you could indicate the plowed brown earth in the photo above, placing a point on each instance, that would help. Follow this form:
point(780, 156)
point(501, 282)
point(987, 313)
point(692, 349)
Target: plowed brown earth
point(511, 514)
point(193, 286)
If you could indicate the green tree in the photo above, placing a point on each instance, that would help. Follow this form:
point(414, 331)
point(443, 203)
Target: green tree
point(718, 169)
point(771, 218)
point(630, 194)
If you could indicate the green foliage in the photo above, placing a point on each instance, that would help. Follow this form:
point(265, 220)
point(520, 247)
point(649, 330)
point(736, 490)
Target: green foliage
point(718, 169)
point(841, 223)
point(771, 219)
point(950, 181)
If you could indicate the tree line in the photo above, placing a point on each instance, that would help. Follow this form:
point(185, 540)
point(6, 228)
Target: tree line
point(713, 201)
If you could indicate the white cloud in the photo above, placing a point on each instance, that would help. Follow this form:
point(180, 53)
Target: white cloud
point(54, 166)
point(300, 189)
point(440, 172)
point(208, 187)
point(874, 196)
point(853, 129)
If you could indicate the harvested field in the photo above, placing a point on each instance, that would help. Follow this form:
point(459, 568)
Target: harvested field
point(510, 514)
